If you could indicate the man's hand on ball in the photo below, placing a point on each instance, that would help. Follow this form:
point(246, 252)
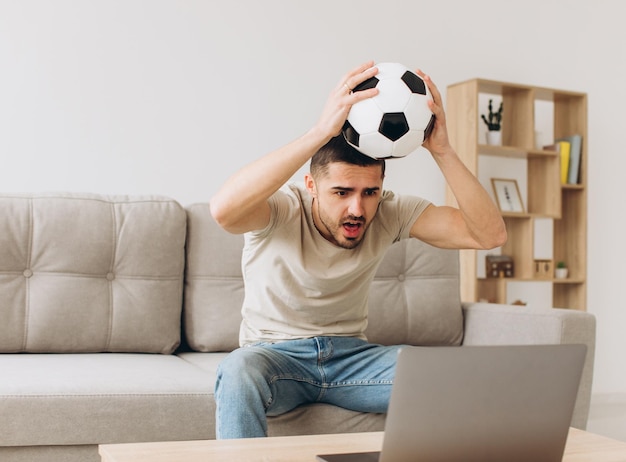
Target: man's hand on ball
point(342, 98)
point(437, 142)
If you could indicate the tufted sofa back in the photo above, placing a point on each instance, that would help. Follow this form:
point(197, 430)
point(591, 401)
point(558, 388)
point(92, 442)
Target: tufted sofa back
point(414, 298)
point(86, 273)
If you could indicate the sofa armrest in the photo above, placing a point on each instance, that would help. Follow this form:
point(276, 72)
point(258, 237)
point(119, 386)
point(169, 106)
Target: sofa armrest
point(497, 324)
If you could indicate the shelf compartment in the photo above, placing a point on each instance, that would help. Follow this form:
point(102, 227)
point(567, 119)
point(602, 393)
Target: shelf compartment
point(519, 245)
point(544, 186)
point(570, 296)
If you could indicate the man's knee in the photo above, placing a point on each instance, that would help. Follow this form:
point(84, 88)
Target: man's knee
point(247, 366)
point(237, 360)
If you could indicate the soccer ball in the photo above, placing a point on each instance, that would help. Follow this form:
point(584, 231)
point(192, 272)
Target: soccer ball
point(397, 120)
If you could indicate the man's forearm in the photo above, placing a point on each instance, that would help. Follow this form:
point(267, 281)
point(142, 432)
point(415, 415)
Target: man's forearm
point(238, 205)
point(482, 217)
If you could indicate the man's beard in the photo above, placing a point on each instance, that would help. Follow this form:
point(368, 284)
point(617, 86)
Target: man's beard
point(335, 231)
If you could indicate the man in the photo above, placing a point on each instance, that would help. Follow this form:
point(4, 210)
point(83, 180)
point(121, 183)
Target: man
point(310, 253)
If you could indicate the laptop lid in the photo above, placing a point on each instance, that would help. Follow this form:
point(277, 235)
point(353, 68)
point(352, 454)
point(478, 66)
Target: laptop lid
point(480, 403)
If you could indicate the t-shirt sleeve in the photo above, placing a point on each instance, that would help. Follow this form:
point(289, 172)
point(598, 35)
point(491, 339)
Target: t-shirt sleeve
point(399, 213)
point(281, 207)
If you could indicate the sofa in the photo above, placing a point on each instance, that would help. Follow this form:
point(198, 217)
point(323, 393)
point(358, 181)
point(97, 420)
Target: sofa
point(116, 311)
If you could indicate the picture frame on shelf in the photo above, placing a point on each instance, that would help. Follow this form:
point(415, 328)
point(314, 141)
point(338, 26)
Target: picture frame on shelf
point(507, 195)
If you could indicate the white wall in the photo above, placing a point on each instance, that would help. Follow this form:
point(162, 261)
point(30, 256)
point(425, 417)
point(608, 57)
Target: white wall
point(171, 97)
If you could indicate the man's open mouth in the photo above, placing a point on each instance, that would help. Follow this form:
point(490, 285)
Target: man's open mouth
point(352, 229)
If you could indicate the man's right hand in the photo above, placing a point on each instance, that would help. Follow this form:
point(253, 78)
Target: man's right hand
point(342, 98)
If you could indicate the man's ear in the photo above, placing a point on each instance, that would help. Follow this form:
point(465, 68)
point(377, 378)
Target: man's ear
point(309, 183)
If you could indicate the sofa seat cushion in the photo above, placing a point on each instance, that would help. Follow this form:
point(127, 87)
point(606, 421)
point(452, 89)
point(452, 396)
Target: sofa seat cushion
point(208, 362)
point(83, 273)
point(82, 399)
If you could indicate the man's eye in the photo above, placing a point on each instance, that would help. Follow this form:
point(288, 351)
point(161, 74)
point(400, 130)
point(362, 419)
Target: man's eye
point(341, 193)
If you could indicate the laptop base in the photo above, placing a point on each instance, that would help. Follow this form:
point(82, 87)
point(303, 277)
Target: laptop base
point(350, 457)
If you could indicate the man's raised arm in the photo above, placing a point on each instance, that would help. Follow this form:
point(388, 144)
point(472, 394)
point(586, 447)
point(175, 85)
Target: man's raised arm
point(477, 223)
point(241, 203)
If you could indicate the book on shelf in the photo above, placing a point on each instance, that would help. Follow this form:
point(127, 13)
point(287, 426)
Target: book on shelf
point(573, 171)
point(563, 148)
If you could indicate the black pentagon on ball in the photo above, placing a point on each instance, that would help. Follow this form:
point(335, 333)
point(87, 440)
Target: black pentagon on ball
point(393, 125)
point(415, 84)
point(369, 83)
point(350, 134)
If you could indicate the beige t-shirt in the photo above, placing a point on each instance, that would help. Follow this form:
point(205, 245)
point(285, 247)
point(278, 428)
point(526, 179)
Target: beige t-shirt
point(299, 285)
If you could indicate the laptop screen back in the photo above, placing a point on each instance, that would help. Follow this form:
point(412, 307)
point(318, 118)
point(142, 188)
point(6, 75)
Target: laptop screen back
point(483, 404)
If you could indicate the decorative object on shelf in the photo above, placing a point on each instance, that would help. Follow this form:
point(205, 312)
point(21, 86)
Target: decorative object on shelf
point(494, 124)
point(571, 174)
point(561, 270)
point(499, 266)
point(507, 195)
point(544, 269)
point(494, 138)
point(563, 148)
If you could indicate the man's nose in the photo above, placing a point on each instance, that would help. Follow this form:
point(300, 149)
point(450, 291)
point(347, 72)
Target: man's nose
point(356, 206)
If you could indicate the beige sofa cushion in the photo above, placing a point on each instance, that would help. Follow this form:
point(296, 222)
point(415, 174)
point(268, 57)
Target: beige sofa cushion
point(88, 273)
point(414, 298)
point(213, 284)
point(86, 399)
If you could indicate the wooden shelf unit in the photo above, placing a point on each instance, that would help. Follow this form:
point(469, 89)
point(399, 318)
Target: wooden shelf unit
point(566, 205)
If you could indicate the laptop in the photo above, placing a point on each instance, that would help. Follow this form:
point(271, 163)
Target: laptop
point(479, 403)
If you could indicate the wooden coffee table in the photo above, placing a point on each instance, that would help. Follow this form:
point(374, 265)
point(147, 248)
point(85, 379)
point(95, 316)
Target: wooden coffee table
point(581, 447)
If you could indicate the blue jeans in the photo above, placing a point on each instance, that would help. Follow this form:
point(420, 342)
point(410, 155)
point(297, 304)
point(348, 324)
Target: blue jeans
point(269, 379)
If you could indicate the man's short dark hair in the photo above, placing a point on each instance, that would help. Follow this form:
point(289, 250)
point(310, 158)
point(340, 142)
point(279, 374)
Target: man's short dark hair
point(338, 150)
